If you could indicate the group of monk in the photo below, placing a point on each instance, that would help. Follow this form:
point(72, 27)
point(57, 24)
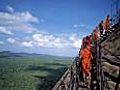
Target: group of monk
point(104, 26)
point(87, 43)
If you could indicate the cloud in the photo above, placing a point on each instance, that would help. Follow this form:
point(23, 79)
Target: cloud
point(18, 21)
point(76, 41)
point(1, 43)
point(27, 44)
point(23, 21)
point(10, 9)
point(81, 26)
point(73, 37)
point(26, 17)
point(52, 41)
point(75, 25)
point(48, 41)
point(5, 31)
point(11, 40)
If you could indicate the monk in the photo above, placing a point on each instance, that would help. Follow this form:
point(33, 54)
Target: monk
point(95, 34)
point(88, 40)
point(86, 58)
point(101, 27)
point(106, 23)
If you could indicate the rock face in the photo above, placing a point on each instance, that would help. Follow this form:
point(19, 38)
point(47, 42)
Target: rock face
point(112, 43)
point(111, 61)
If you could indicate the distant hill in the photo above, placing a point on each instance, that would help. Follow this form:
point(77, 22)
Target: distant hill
point(8, 54)
point(22, 54)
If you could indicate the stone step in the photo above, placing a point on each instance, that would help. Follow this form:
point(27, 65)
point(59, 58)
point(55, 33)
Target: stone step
point(111, 60)
point(110, 85)
point(111, 69)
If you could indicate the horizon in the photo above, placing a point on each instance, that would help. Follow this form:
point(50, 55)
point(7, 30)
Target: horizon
point(35, 54)
point(49, 27)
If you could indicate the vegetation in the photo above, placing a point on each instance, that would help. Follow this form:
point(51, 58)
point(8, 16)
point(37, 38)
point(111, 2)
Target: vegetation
point(31, 73)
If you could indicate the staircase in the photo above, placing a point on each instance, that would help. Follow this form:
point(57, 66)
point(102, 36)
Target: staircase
point(105, 70)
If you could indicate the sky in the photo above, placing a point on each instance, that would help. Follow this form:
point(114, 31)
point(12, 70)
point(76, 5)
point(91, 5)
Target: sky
point(54, 27)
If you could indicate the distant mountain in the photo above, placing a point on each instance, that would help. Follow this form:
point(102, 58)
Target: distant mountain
point(8, 54)
point(11, 54)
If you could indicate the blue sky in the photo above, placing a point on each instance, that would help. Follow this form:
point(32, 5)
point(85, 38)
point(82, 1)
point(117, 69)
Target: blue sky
point(53, 27)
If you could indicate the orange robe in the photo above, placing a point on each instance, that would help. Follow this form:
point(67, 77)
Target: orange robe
point(86, 58)
point(106, 24)
point(95, 35)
